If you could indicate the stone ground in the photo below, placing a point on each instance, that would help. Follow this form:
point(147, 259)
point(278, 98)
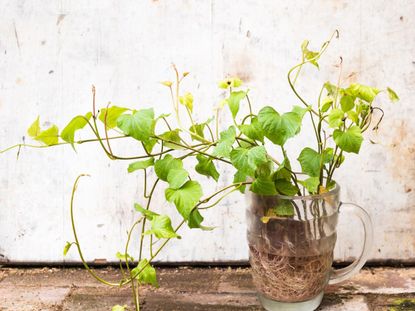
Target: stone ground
point(218, 289)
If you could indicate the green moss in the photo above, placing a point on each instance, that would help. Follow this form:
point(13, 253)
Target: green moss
point(403, 304)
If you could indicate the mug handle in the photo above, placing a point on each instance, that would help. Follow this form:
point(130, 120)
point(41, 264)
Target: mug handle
point(339, 275)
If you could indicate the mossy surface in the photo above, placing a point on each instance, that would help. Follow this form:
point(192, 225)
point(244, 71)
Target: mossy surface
point(403, 304)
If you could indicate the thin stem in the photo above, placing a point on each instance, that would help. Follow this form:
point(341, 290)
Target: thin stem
point(78, 142)
point(253, 143)
point(78, 245)
point(338, 81)
point(167, 123)
point(176, 101)
point(106, 128)
point(135, 296)
point(240, 184)
point(189, 113)
point(150, 196)
point(193, 149)
point(93, 102)
point(210, 131)
point(249, 105)
point(322, 50)
point(247, 116)
point(221, 198)
point(145, 184)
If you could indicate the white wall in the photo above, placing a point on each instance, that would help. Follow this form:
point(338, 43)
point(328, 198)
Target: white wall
point(52, 51)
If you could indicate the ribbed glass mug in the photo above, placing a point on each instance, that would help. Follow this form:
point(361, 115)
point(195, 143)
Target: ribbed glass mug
point(291, 257)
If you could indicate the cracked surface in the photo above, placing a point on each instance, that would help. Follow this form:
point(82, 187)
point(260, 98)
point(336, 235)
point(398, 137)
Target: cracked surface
point(187, 289)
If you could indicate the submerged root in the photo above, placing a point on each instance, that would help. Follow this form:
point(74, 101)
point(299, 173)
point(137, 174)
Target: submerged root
point(290, 279)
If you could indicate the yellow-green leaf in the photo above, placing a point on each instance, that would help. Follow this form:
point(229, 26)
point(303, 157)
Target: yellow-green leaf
point(77, 123)
point(185, 198)
point(145, 273)
point(230, 82)
point(49, 136)
point(140, 165)
point(187, 100)
point(161, 227)
point(392, 95)
point(112, 113)
point(349, 140)
point(66, 248)
point(167, 83)
point(364, 92)
point(206, 167)
point(163, 166)
point(34, 130)
point(234, 101)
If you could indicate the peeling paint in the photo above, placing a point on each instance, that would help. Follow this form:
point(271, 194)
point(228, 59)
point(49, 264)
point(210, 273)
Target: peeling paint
point(60, 19)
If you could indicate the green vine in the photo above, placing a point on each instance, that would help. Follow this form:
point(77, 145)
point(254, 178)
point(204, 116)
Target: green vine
point(339, 120)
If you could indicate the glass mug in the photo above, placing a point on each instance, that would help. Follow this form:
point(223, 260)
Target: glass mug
point(291, 257)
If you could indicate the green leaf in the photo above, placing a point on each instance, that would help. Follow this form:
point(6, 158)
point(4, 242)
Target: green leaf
point(364, 92)
point(347, 103)
point(283, 209)
point(206, 167)
point(124, 257)
point(326, 104)
point(77, 123)
point(147, 274)
point(34, 130)
point(234, 101)
point(278, 128)
point(350, 140)
point(311, 184)
point(311, 56)
point(392, 95)
point(352, 115)
point(224, 145)
point(195, 220)
point(140, 165)
point(230, 82)
point(247, 160)
point(139, 125)
point(145, 212)
point(177, 177)
point(263, 186)
point(149, 144)
point(113, 113)
point(335, 118)
point(187, 100)
point(285, 187)
point(265, 169)
point(185, 198)
point(67, 247)
point(283, 171)
point(199, 130)
point(328, 155)
point(253, 131)
point(331, 88)
point(119, 308)
point(161, 228)
point(174, 139)
point(162, 167)
point(49, 136)
point(310, 161)
point(240, 177)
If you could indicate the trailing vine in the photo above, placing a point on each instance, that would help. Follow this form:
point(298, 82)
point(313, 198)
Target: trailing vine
point(339, 119)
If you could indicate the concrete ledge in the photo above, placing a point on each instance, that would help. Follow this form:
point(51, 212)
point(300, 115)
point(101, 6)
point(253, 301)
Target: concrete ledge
point(230, 289)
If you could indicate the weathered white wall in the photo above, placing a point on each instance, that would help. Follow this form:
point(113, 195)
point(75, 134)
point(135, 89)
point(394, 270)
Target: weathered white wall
point(52, 51)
